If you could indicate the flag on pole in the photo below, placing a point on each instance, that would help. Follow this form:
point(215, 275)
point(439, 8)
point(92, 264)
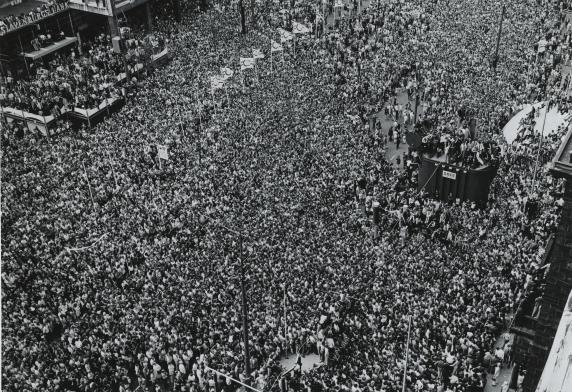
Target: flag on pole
point(217, 82)
point(299, 28)
point(275, 46)
point(162, 152)
point(285, 35)
point(226, 73)
point(247, 62)
point(257, 54)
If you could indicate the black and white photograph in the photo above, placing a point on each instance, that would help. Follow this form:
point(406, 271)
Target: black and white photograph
point(286, 195)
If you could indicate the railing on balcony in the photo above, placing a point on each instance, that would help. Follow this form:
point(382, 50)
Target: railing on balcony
point(97, 7)
point(8, 25)
point(101, 6)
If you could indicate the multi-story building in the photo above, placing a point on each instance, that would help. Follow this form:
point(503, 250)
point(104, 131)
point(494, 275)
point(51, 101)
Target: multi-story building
point(538, 316)
point(68, 22)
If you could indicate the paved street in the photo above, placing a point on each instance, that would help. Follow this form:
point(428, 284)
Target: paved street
point(308, 362)
point(391, 152)
point(505, 373)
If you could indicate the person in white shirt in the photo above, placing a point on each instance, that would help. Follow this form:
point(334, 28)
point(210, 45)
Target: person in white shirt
point(499, 353)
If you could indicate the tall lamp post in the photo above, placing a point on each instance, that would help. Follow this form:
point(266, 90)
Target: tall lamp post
point(417, 87)
point(244, 302)
point(244, 314)
point(242, 17)
point(494, 63)
point(496, 56)
point(533, 185)
point(253, 16)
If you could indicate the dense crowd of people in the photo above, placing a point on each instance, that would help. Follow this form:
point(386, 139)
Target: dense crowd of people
point(460, 149)
point(121, 263)
point(88, 77)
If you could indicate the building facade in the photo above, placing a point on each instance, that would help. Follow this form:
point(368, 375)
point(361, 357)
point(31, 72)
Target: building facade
point(536, 320)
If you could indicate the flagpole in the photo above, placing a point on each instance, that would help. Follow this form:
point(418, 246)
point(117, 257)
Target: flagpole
point(112, 169)
point(45, 125)
point(334, 21)
point(316, 22)
point(406, 355)
point(199, 147)
point(88, 185)
point(323, 18)
point(182, 119)
point(199, 110)
point(3, 114)
point(285, 321)
point(294, 45)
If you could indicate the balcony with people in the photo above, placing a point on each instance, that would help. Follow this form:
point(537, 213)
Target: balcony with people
point(14, 17)
point(104, 7)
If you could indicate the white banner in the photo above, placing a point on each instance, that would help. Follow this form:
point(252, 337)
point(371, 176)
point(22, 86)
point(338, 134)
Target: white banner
point(275, 47)
point(162, 152)
point(285, 35)
point(450, 175)
point(217, 82)
point(257, 54)
point(299, 28)
point(226, 73)
point(247, 62)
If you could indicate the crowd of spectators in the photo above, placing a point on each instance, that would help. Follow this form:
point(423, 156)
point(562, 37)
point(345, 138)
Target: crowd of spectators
point(460, 149)
point(120, 269)
point(84, 79)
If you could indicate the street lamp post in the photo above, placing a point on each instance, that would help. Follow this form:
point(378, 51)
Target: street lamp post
point(244, 315)
point(253, 16)
point(533, 186)
point(242, 17)
point(494, 64)
point(244, 303)
point(404, 386)
point(496, 55)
